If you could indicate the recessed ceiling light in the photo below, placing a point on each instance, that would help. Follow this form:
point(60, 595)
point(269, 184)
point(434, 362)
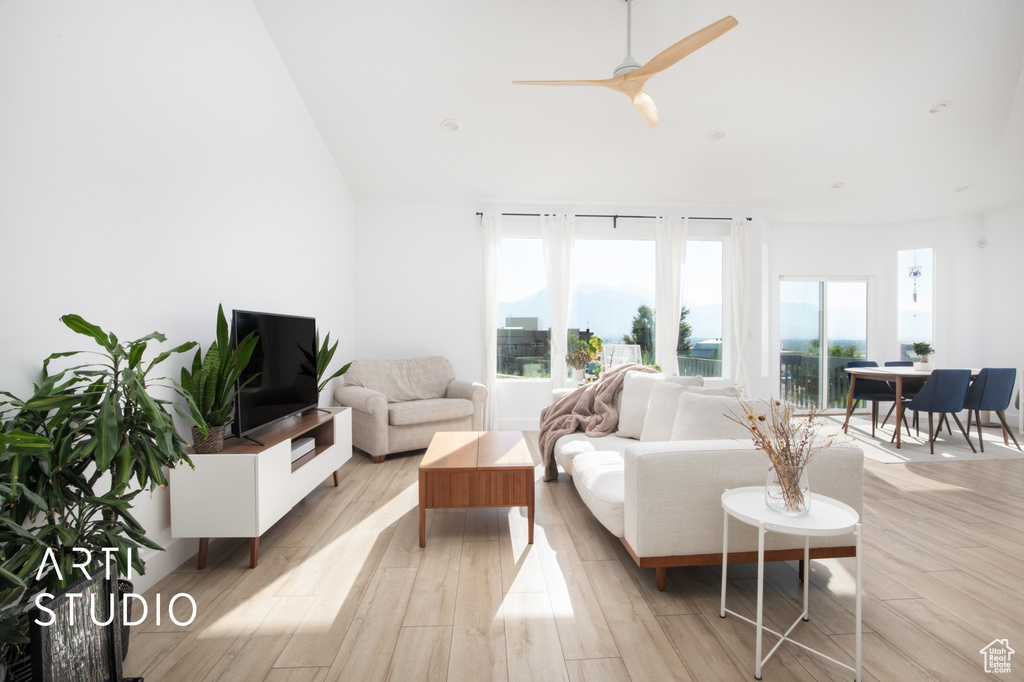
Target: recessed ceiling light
point(449, 125)
point(837, 185)
point(963, 188)
point(940, 106)
point(716, 135)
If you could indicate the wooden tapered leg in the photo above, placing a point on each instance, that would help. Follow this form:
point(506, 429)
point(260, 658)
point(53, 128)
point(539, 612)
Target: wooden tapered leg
point(254, 552)
point(336, 479)
point(204, 544)
point(1006, 429)
point(961, 426)
point(378, 459)
point(849, 402)
point(931, 436)
point(899, 410)
point(423, 510)
point(660, 573)
point(530, 495)
point(888, 414)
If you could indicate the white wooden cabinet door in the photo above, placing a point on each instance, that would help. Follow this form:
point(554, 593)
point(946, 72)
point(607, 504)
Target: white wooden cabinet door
point(216, 499)
point(273, 494)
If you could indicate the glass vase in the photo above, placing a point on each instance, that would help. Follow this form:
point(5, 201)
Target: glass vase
point(786, 490)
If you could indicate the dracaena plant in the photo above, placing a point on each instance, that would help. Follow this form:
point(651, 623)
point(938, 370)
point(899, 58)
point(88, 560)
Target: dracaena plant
point(73, 457)
point(324, 355)
point(210, 386)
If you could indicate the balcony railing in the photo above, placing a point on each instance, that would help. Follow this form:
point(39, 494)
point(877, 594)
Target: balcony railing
point(799, 380)
point(693, 367)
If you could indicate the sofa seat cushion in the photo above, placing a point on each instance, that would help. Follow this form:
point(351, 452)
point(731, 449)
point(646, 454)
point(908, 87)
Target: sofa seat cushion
point(600, 481)
point(569, 446)
point(425, 411)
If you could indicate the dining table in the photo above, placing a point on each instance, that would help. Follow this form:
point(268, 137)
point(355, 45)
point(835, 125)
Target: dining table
point(894, 375)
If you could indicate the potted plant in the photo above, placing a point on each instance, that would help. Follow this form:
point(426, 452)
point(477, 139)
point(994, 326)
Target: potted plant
point(595, 346)
point(790, 442)
point(577, 359)
point(209, 387)
point(72, 459)
point(923, 349)
point(324, 355)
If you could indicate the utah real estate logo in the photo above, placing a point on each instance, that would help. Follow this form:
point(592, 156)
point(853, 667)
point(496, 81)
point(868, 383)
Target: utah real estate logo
point(997, 656)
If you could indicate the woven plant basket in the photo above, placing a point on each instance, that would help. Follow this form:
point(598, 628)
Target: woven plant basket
point(204, 445)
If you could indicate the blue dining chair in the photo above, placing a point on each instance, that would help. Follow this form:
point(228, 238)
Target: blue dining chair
point(910, 389)
point(944, 393)
point(871, 391)
point(991, 390)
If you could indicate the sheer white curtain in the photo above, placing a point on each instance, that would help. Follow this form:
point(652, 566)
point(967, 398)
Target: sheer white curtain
point(738, 317)
point(557, 235)
point(492, 272)
point(670, 236)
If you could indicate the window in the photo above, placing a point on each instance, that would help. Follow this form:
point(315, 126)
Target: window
point(700, 351)
point(613, 290)
point(816, 315)
point(916, 277)
point(524, 318)
point(613, 299)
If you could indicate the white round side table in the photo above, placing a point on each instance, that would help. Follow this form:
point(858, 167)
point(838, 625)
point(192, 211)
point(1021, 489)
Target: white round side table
point(826, 517)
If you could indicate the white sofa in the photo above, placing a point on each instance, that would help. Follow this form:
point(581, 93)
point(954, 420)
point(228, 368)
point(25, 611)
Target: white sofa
point(398, 405)
point(660, 491)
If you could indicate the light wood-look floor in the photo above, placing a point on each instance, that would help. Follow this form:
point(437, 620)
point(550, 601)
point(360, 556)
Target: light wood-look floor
point(343, 592)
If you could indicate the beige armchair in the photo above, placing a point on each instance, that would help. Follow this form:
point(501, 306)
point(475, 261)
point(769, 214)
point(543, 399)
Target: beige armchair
point(398, 405)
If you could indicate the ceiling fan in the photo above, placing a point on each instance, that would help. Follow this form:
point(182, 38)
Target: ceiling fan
point(629, 77)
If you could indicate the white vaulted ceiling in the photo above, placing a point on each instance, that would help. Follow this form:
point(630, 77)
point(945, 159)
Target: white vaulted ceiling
point(810, 93)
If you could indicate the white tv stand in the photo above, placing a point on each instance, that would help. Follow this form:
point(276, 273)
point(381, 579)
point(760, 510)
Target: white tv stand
point(246, 488)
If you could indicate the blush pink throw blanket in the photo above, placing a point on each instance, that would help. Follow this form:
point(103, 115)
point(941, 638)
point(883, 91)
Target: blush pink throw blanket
point(590, 408)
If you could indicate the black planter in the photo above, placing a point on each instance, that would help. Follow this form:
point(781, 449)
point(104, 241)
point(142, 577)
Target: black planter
point(123, 587)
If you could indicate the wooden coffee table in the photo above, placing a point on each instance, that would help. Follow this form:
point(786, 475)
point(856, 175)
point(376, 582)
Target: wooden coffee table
point(469, 469)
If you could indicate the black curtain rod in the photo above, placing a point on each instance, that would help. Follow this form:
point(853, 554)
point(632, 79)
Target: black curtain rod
point(615, 218)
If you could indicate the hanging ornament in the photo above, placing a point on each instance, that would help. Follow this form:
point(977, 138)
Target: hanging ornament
point(915, 272)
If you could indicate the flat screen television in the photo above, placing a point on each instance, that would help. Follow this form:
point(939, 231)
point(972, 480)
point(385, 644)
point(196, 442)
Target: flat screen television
point(283, 364)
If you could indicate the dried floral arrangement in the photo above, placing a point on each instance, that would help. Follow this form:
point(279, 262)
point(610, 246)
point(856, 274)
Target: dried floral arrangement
point(789, 441)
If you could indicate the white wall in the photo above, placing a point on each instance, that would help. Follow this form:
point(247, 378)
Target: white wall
point(418, 280)
point(156, 160)
point(1002, 328)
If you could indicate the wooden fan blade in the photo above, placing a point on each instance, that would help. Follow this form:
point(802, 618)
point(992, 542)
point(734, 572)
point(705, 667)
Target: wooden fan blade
point(684, 47)
point(608, 83)
point(645, 105)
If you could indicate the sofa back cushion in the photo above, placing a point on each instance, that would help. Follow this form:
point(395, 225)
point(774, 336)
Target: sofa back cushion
point(664, 405)
point(703, 417)
point(403, 380)
point(636, 394)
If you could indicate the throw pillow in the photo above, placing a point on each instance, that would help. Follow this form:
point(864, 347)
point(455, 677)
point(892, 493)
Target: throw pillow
point(636, 394)
point(664, 405)
point(702, 417)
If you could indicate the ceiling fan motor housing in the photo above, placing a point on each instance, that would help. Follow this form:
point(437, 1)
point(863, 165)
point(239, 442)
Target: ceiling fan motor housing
point(628, 65)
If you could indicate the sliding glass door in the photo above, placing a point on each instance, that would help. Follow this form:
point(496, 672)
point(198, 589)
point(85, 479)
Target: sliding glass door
point(822, 327)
